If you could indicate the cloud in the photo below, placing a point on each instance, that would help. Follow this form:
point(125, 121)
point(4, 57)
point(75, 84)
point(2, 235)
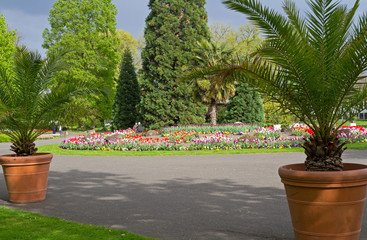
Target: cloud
point(37, 7)
point(29, 27)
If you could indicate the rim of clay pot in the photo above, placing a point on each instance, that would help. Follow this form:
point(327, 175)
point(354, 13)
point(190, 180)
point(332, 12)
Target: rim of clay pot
point(353, 172)
point(34, 154)
point(37, 158)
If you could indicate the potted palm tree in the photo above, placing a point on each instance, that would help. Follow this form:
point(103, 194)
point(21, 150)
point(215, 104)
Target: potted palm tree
point(312, 65)
point(30, 101)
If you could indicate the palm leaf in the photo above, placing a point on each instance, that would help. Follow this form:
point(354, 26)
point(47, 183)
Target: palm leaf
point(29, 100)
point(311, 66)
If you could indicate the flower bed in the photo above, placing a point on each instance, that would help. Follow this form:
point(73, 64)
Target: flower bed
point(43, 131)
point(356, 133)
point(46, 134)
point(184, 139)
point(235, 129)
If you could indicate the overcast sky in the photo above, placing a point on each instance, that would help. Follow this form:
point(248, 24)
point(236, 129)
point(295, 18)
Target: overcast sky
point(30, 17)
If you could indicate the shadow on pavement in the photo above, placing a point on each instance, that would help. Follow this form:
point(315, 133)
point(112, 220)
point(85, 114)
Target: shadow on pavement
point(175, 209)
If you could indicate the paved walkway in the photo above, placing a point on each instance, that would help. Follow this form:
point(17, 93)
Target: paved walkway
point(219, 197)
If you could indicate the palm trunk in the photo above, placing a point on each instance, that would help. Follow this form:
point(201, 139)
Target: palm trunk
point(324, 155)
point(213, 112)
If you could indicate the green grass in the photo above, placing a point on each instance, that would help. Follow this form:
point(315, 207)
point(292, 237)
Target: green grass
point(22, 225)
point(54, 149)
point(4, 138)
point(357, 146)
point(362, 123)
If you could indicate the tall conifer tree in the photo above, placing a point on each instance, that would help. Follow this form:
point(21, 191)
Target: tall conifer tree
point(127, 96)
point(172, 30)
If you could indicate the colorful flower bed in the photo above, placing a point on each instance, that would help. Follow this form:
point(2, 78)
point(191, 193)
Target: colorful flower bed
point(46, 134)
point(43, 131)
point(189, 139)
point(356, 133)
point(235, 129)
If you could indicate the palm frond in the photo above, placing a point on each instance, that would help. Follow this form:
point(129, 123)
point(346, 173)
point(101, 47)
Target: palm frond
point(272, 23)
point(29, 100)
point(295, 18)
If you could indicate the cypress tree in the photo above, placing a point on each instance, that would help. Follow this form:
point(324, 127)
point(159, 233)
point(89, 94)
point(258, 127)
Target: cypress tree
point(172, 30)
point(127, 97)
point(246, 106)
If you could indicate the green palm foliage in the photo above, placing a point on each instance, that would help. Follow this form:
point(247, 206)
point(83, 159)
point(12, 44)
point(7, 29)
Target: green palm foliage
point(29, 100)
point(211, 89)
point(312, 66)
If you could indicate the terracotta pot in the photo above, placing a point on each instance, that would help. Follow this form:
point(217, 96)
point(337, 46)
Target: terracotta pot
point(26, 177)
point(325, 205)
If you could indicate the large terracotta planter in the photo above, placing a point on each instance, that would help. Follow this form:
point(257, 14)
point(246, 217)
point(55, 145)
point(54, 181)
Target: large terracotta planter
point(325, 205)
point(26, 177)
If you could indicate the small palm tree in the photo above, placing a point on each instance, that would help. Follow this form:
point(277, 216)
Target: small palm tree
point(211, 89)
point(29, 100)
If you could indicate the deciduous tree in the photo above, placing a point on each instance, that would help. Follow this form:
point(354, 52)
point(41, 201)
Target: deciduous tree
point(244, 39)
point(7, 45)
point(88, 27)
point(128, 42)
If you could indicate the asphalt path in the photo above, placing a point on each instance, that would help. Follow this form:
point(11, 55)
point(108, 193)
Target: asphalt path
point(211, 197)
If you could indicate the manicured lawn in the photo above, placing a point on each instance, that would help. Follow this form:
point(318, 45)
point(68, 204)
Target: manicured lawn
point(16, 224)
point(54, 149)
point(4, 138)
point(362, 123)
point(357, 146)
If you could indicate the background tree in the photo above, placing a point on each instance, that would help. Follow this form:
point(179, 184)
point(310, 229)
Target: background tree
point(127, 98)
point(274, 114)
point(127, 41)
point(89, 28)
point(246, 106)
point(212, 89)
point(172, 29)
point(7, 45)
point(245, 39)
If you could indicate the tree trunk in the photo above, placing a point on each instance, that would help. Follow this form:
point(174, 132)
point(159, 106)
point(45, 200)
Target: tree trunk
point(94, 123)
point(213, 112)
point(324, 155)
